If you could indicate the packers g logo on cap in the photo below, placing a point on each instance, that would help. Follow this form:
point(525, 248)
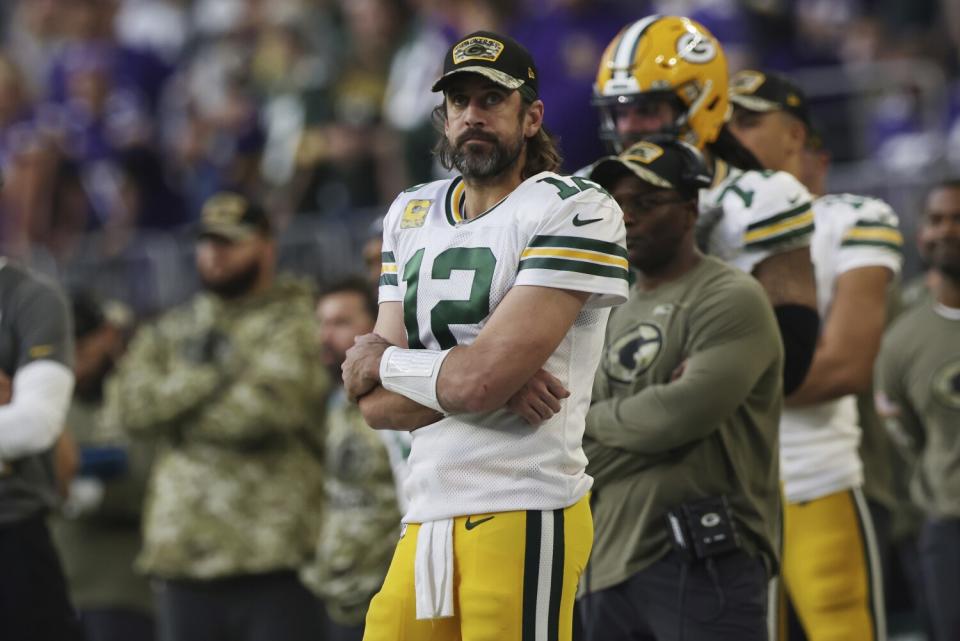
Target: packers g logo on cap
point(477, 48)
point(224, 209)
point(645, 152)
point(746, 82)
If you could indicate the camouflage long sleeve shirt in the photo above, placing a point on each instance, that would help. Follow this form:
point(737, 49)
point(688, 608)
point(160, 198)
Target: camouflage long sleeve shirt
point(233, 394)
point(361, 523)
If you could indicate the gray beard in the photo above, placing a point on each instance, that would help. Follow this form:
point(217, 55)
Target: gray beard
point(477, 166)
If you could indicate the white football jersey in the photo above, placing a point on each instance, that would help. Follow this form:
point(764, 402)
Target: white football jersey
point(450, 273)
point(819, 444)
point(748, 216)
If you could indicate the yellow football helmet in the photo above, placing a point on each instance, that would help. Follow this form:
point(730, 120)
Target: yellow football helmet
point(665, 54)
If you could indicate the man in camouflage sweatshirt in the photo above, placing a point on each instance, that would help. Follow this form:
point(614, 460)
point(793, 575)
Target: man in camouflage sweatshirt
point(231, 389)
point(361, 519)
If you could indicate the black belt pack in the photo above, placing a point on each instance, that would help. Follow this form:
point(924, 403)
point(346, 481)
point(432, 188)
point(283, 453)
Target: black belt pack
point(703, 528)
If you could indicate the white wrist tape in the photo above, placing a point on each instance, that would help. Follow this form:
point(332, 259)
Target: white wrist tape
point(413, 373)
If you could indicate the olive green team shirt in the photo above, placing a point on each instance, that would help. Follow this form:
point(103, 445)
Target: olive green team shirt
point(654, 443)
point(918, 393)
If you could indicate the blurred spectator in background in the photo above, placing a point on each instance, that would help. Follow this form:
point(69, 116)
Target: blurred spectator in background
point(408, 103)
point(918, 394)
point(318, 107)
point(34, 35)
point(919, 290)
point(361, 520)
point(211, 125)
point(345, 152)
point(99, 533)
point(231, 390)
point(22, 159)
point(36, 380)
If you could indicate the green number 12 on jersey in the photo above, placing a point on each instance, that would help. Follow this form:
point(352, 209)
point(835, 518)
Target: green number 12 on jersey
point(479, 260)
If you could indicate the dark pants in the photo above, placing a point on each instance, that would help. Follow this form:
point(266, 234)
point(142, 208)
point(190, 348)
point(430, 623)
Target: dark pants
point(267, 607)
point(34, 605)
point(940, 569)
point(333, 631)
point(665, 603)
point(116, 624)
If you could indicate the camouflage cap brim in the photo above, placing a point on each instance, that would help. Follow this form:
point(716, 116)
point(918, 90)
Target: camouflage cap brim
point(753, 103)
point(499, 77)
point(606, 170)
point(233, 233)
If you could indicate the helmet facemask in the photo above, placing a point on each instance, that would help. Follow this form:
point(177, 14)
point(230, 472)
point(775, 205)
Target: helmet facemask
point(648, 103)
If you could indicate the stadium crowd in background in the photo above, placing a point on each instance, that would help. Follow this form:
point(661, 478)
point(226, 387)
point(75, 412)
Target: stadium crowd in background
point(120, 117)
point(137, 138)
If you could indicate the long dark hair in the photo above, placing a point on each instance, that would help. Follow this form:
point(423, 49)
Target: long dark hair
point(543, 154)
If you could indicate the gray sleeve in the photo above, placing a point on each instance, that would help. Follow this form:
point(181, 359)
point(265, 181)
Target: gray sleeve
point(892, 400)
point(43, 324)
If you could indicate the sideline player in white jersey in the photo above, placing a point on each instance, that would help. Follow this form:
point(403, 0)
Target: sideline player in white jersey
point(667, 75)
point(493, 302)
point(831, 564)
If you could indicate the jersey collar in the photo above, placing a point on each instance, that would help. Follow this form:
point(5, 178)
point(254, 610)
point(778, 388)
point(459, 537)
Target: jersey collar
point(453, 203)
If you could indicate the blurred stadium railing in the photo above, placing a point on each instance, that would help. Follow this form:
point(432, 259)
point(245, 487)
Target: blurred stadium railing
point(155, 270)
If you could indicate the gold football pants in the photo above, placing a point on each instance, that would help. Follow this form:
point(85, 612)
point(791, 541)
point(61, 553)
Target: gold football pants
point(831, 569)
point(515, 578)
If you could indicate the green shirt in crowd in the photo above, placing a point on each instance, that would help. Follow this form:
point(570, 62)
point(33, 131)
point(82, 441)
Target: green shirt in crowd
point(233, 394)
point(918, 392)
point(886, 471)
point(657, 437)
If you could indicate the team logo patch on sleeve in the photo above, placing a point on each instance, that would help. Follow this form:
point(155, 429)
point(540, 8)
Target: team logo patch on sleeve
point(633, 353)
point(41, 351)
point(477, 48)
point(415, 214)
point(946, 385)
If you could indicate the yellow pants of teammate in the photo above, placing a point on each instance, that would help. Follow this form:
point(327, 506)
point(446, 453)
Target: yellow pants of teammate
point(831, 570)
point(515, 577)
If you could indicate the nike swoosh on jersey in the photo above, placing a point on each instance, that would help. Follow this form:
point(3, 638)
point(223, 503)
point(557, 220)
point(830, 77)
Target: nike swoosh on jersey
point(472, 524)
point(580, 222)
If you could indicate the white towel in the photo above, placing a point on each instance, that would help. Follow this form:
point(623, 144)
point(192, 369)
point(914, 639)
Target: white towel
point(433, 570)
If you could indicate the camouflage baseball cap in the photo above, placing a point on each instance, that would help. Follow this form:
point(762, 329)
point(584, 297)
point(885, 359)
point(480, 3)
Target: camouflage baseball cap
point(232, 217)
point(762, 92)
point(495, 56)
point(666, 163)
